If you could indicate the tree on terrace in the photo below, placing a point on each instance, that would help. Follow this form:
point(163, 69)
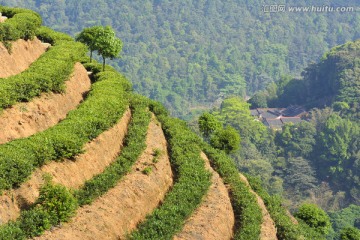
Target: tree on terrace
point(107, 44)
point(103, 40)
point(88, 37)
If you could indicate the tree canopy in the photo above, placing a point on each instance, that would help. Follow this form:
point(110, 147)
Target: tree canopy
point(102, 39)
point(88, 36)
point(192, 54)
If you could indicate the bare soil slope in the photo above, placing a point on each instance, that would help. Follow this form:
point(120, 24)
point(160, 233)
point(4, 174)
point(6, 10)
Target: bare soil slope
point(23, 53)
point(268, 230)
point(214, 219)
point(25, 119)
point(2, 19)
point(118, 211)
point(98, 154)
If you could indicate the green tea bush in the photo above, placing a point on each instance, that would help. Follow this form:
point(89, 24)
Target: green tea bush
point(134, 145)
point(48, 73)
point(314, 217)
point(54, 205)
point(12, 11)
point(350, 233)
point(11, 230)
point(22, 23)
point(286, 229)
point(103, 107)
point(191, 181)
point(57, 202)
point(34, 222)
point(46, 34)
point(248, 216)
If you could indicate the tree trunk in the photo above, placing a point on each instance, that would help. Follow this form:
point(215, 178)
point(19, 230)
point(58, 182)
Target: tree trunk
point(90, 56)
point(103, 63)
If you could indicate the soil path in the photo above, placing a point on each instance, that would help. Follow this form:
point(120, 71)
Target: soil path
point(268, 230)
point(23, 53)
point(118, 212)
point(25, 119)
point(214, 219)
point(98, 154)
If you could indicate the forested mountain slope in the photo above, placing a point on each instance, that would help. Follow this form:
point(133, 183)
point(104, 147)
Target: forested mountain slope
point(333, 81)
point(189, 54)
point(332, 86)
point(117, 166)
point(318, 159)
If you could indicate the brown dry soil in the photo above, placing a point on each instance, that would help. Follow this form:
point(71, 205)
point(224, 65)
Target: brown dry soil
point(118, 212)
point(268, 230)
point(214, 219)
point(23, 53)
point(25, 119)
point(292, 218)
point(98, 154)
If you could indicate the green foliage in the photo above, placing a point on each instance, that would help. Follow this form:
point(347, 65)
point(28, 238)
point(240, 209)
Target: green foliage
point(147, 170)
point(157, 152)
point(192, 181)
point(259, 100)
point(48, 35)
point(57, 202)
point(226, 139)
point(257, 144)
point(22, 23)
point(299, 176)
point(34, 222)
point(208, 124)
point(134, 144)
point(345, 218)
point(107, 44)
point(54, 205)
point(102, 39)
point(185, 59)
point(286, 229)
point(332, 81)
point(103, 106)
point(340, 106)
point(248, 214)
point(337, 147)
point(88, 36)
point(236, 113)
point(315, 217)
point(297, 140)
point(156, 155)
point(11, 230)
point(48, 73)
point(350, 234)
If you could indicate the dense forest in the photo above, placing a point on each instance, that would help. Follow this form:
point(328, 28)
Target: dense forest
point(316, 160)
point(199, 55)
point(190, 55)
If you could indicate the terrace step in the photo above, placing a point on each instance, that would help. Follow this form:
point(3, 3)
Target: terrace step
point(99, 153)
point(117, 212)
point(268, 229)
point(25, 119)
point(23, 54)
point(214, 219)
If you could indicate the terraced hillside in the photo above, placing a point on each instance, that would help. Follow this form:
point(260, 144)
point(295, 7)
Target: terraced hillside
point(83, 157)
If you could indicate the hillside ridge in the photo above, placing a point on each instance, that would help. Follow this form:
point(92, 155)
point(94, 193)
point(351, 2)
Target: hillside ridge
point(117, 165)
point(21, 55)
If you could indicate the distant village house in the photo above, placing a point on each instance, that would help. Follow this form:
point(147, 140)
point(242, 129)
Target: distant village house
point(275, 118)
